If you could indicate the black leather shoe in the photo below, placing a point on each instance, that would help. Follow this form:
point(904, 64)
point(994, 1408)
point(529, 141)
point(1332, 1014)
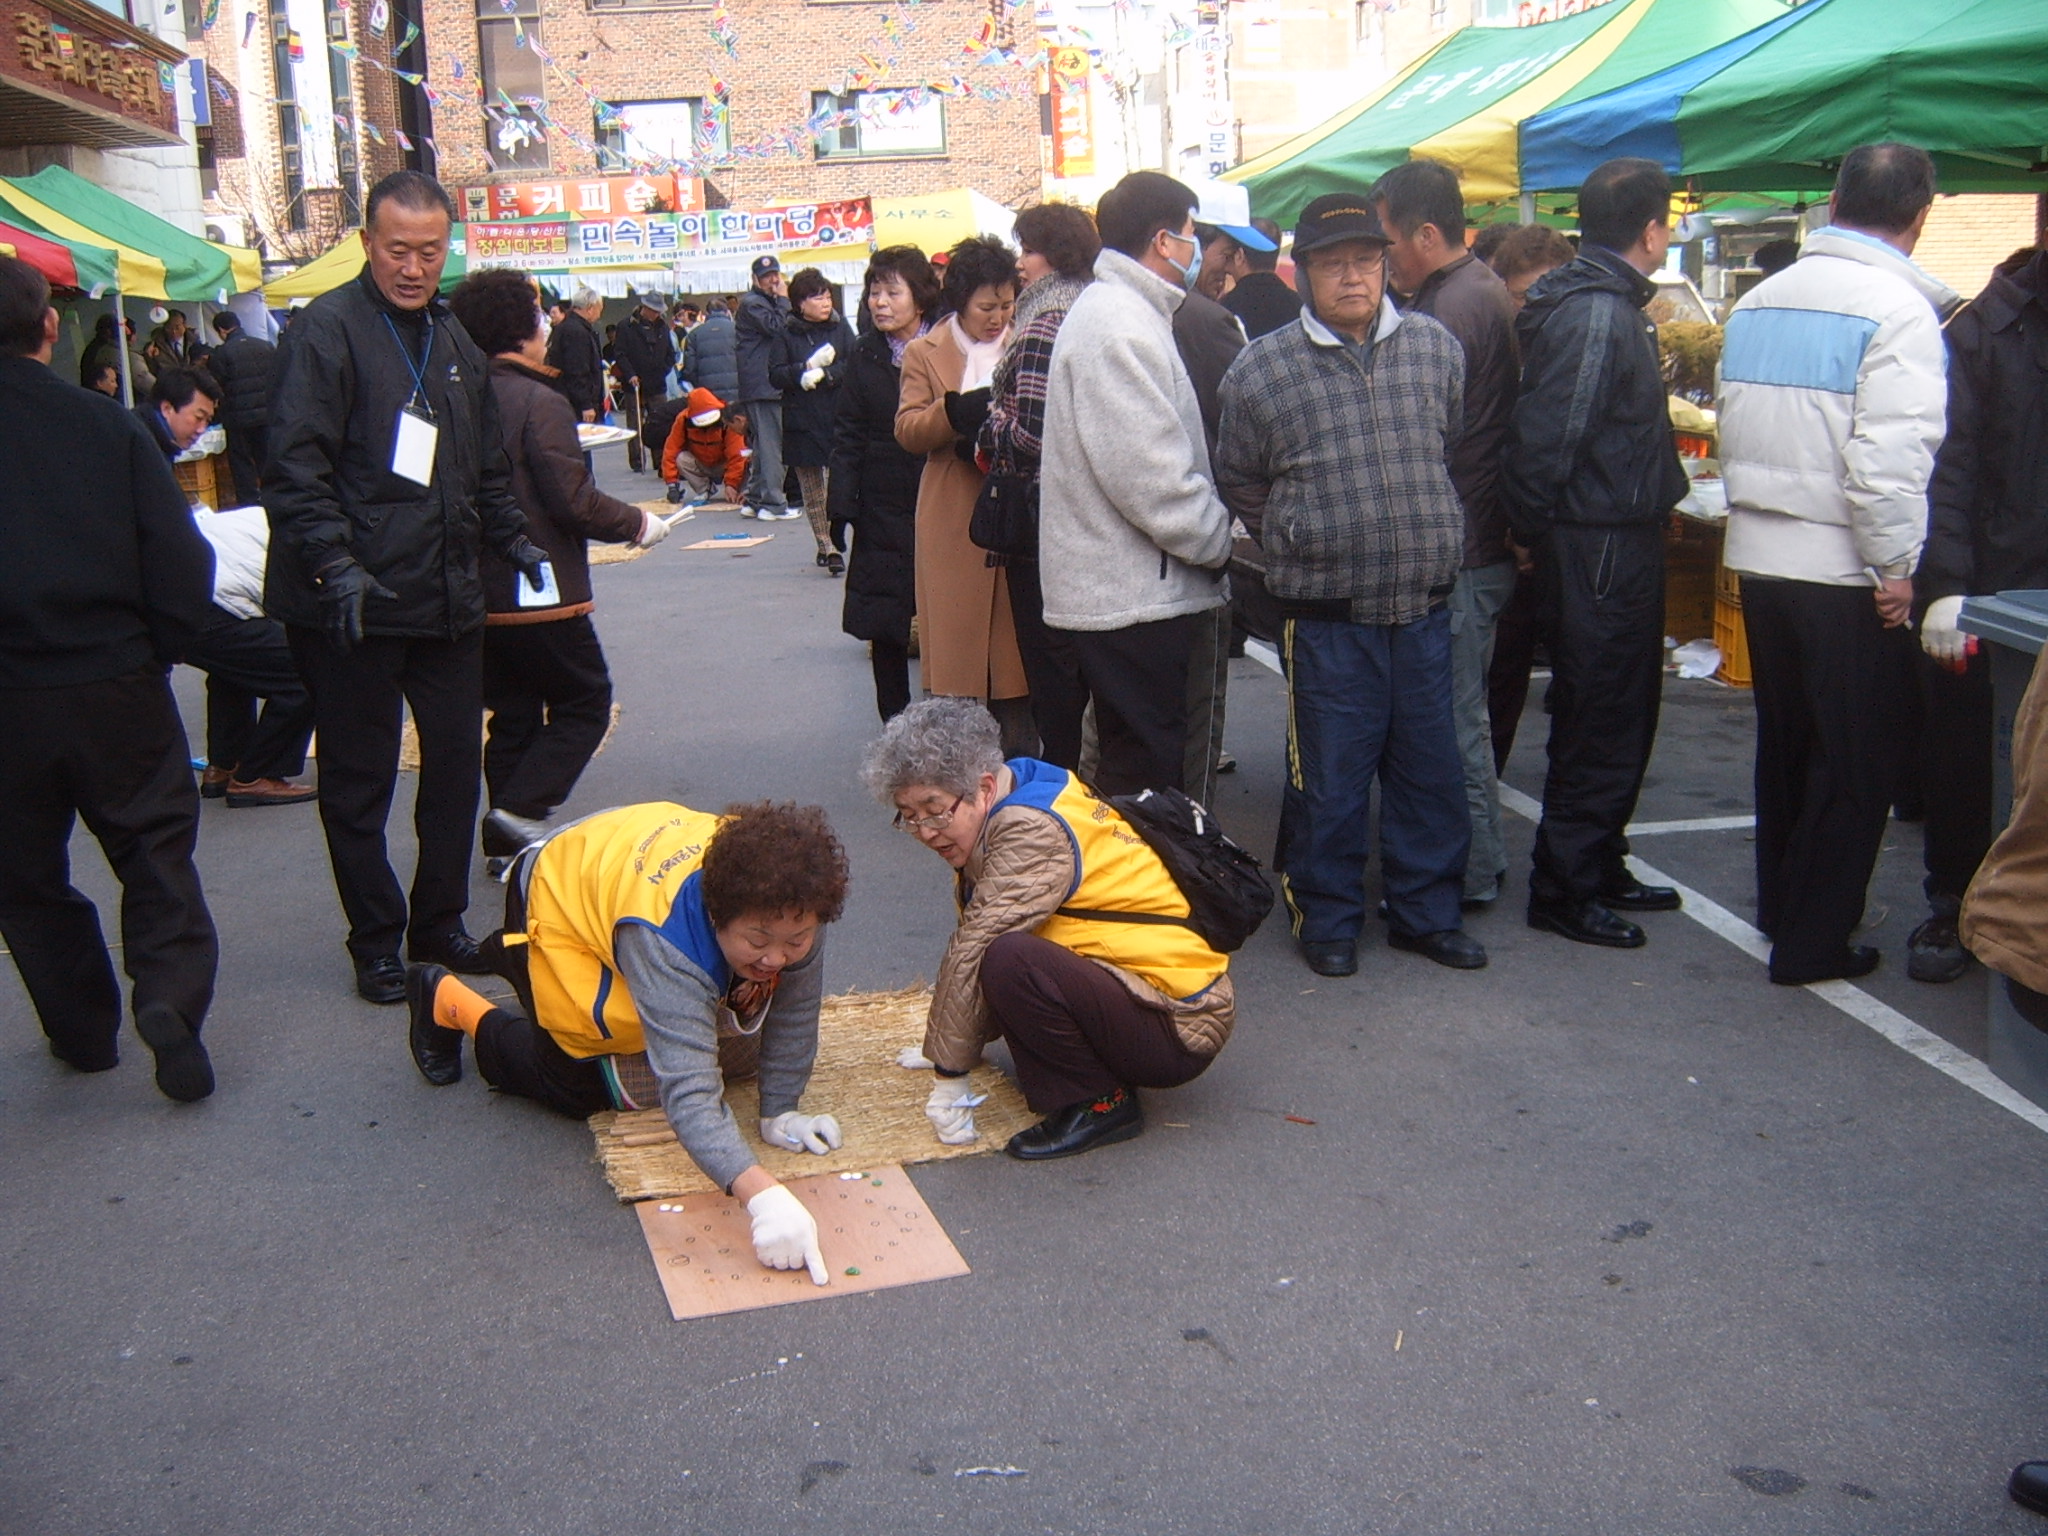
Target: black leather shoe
point(1449, 946)
point(455, 949)
point(1091, 1123)
point(1585, 922)
point(1631, 895)
point(86, 1061)
point(183, 1070)
point(505, 835)
point(1934, 951)
point(2029, 1486)
point(1335, 957)
point(1862, 960)
point(436, 1050)
point(381, 979)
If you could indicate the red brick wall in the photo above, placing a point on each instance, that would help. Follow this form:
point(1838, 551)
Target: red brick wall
point(786, 50)
point(1967, 236)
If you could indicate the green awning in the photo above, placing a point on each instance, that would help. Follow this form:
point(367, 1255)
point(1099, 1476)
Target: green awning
point(156, 259)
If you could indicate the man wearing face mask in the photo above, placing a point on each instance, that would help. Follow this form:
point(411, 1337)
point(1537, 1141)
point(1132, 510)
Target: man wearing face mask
point(1335, 435)
point(1132, 538)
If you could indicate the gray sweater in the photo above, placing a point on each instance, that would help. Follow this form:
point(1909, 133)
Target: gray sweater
point(1129, 527)
point(679, 1009)
point(1338, 467)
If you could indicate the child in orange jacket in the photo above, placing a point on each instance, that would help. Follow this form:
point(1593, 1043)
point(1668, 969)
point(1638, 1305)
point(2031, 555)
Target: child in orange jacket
point(704, 448)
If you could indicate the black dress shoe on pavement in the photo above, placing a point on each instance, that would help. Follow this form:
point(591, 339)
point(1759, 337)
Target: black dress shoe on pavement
point(84, 1061)
point(436, 1049)
point(183, 1070)
point(1934, 950)
point(2028, 1486)
point(1334, 957)
point(505, 835)
point(454, 949)
point(1078, 1127)
point(1585, 922)
point(1631, 895)
point(381, 979)
point(1861, 961)
point(1449, 946)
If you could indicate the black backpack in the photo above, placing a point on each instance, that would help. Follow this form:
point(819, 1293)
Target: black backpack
point(1225, 887)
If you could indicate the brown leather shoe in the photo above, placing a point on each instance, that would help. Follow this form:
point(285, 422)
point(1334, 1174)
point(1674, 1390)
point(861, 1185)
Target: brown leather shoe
point(242, 793)
point(213, 783)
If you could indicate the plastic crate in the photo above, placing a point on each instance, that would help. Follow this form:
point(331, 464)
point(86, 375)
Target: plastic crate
point(1729, 633)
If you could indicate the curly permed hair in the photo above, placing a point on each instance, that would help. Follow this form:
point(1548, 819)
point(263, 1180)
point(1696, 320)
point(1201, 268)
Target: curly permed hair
point(980, 261)
point(770, 858)
point(498, 307)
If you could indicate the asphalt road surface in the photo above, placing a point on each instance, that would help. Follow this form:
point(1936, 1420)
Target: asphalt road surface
point(1585, 1242)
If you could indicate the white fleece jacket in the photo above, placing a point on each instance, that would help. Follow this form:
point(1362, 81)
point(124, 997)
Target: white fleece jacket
point(1834, 397)
point(1129, 525)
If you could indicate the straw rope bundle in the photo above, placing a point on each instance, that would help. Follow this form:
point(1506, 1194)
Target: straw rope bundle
point(879, 1106)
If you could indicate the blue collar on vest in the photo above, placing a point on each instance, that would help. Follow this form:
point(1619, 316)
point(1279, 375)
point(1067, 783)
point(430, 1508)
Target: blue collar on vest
point(1037, 783)
point(688, 929)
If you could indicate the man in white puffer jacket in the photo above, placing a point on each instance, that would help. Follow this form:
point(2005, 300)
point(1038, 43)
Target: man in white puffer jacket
point(1833, 399)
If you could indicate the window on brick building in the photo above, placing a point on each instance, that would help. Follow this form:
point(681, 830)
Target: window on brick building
point(874, 124)
point(290, 168)
point(516, 138)
point(1365, 22)
point(1439, 14)
point(346, 165)
point(683, 130)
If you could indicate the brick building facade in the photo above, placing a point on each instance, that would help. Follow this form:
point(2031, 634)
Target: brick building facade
point(661, 65)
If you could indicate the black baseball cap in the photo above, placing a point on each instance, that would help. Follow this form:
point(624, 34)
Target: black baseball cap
point(763, 265)
point(1337, 216)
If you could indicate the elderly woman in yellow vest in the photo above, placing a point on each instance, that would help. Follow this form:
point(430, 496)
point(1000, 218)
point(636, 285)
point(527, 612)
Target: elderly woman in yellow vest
point(661, 952)
point(1073, 942)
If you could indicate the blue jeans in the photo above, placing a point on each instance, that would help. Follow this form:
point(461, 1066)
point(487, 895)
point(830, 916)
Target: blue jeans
point(1366, 701)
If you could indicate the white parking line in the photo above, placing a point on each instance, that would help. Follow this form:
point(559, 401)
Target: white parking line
point(1858, 1004)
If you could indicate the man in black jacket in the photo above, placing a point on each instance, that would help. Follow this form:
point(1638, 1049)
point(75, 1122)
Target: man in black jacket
point(1261, 300)
point(244, 366)
point(575, 352)
point(103, 583)
point(1591, 476)
point(1987, 531)
point(762, 318)
point(643, 356)
point(387, 475)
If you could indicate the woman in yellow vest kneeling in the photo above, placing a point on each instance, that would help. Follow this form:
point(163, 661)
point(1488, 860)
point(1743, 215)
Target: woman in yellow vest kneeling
point(660, 953)
point(1073, 941)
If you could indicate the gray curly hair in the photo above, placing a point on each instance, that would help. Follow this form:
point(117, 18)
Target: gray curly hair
point(945, 742)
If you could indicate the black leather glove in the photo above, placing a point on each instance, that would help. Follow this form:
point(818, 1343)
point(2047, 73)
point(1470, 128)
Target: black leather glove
point(342, 588)
point(967, 411)
point(675, 490)
point(837, 528)
point(529, 557)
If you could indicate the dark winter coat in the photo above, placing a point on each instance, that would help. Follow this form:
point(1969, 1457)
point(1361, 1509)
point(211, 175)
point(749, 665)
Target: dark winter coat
point(1589, 441)
point(563, 506)
point(873, 489)
point(328, 485)
point(1987, 510)
point(645, 350)
point(810, 416)
point(711, 357)
point(102, 570)
point(760, 323)
point(1473, 305)
point(245, 367)
point(577, 355)
point(1208, 338)
point(1263, 302)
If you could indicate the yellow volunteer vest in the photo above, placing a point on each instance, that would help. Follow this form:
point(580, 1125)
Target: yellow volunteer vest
point(1116, 871)
point(631, 864)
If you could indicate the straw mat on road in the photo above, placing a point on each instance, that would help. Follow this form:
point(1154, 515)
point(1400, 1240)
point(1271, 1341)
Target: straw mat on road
point(879, 1106)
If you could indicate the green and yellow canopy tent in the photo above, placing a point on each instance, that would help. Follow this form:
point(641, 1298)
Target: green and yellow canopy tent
point(1777, 107)
point(1463, 101)
point(154, 259)
point(63, 263)
point(340, 262)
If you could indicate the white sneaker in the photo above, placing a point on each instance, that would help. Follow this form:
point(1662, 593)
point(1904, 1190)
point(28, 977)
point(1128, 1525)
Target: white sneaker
point(789, 515)
point(747, 511)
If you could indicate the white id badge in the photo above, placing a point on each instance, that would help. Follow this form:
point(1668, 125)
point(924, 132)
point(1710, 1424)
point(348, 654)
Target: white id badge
point(412, 447)
point(549, 593)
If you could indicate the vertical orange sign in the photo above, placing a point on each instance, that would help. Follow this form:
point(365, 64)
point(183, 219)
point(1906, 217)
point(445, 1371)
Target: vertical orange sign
point(1073, 118)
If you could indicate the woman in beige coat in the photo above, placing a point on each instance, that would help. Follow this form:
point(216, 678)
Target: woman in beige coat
point(966, 640)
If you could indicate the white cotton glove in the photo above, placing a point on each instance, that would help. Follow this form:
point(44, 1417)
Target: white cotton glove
point(951, 1110)
point(1939, 636)
point(811, 378)
point(802, 1133)
point(823, 357)
point(652, 530)
point(785, 1235)
point(914, 1059)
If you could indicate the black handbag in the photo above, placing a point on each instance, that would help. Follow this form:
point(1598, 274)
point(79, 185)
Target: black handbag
point(1005, 518)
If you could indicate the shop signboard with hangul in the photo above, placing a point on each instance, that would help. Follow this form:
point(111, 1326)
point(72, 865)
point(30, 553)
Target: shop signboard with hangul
point(588, 197)
point(743, 233)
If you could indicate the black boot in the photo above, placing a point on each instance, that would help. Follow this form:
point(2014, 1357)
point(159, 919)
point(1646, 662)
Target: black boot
point(1078, 1127)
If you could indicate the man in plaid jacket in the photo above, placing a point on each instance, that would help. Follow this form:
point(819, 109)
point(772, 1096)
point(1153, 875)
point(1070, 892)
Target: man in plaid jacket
point(1333, 453)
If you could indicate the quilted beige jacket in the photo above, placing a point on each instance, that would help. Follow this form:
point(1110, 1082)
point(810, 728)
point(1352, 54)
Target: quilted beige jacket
point(1018, 875)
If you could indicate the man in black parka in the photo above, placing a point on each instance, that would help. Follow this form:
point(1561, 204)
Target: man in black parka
point(244, 366)
point(386, 477)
